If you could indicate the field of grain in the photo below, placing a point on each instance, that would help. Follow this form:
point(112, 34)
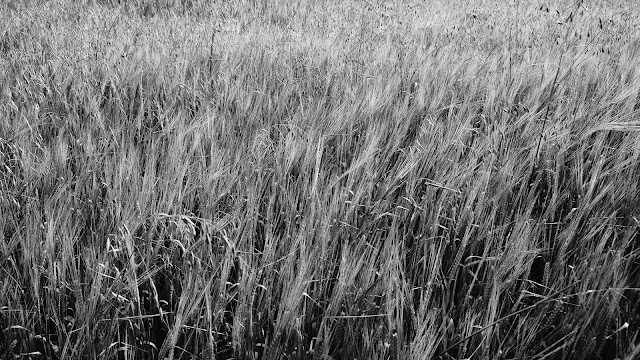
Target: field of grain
point(327, 179)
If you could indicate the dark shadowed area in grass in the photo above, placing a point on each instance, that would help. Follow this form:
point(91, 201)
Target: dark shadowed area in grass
point(319, 180)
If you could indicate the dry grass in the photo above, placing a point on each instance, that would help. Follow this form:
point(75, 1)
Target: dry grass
point(319, 180)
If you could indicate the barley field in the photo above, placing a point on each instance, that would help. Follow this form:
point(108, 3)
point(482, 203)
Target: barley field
point(261, 179)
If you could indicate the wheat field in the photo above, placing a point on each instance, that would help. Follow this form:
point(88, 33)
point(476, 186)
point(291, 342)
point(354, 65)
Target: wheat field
point(322, 179)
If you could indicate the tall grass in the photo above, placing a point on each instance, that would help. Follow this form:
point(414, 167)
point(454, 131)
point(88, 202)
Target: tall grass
point(319, 180)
